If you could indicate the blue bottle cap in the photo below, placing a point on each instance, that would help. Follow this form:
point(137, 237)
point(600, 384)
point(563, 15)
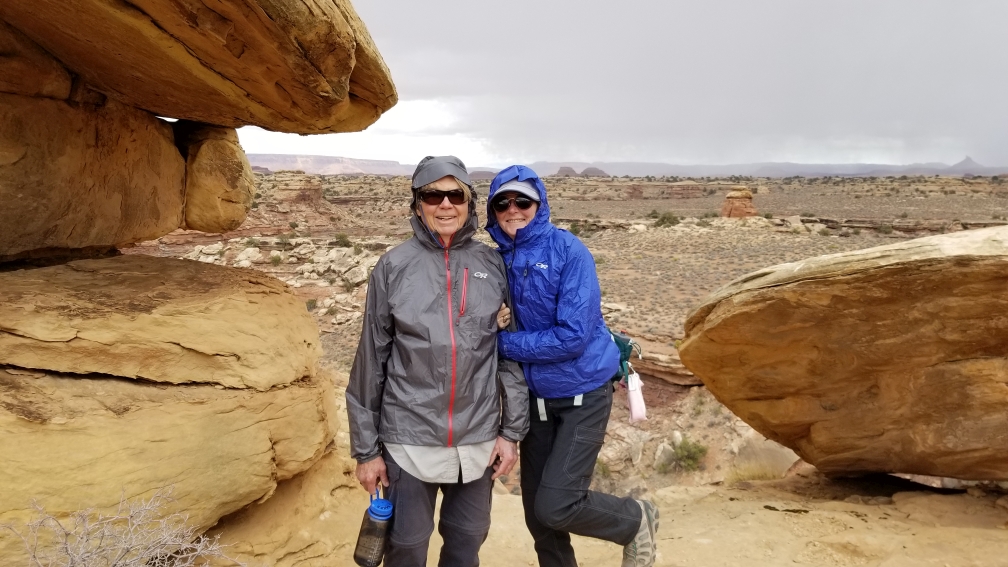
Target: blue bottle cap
point(380, 508)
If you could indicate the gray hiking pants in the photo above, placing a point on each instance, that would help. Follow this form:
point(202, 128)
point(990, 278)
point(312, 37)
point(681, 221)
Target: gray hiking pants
point(464, 522)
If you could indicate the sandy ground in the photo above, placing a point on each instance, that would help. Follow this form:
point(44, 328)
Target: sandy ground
point(786, 523)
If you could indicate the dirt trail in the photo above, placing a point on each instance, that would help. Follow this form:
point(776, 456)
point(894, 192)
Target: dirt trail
point(790, 522)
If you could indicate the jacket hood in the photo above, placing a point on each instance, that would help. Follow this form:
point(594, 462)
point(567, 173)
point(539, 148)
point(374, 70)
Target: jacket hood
point(540, 223)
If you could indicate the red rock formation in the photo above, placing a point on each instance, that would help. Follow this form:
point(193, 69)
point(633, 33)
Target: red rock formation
point(738, 204)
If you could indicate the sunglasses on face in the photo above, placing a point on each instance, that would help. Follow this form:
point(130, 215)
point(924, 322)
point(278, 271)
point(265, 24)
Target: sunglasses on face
point(504, 203)
point(455, 197)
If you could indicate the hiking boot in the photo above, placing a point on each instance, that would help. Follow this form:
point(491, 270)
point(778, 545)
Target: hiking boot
point(642, 550)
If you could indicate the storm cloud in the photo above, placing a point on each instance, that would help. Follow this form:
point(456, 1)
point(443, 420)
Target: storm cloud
point(730, 81)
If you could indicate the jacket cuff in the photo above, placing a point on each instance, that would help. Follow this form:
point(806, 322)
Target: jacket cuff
point(369, 457)
point(502, 344)
point(510, 435)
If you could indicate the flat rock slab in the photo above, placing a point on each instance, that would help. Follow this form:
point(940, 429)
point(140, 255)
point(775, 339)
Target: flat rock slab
point(71, 443)
point(306, 66)
point(890, 359)
point(157, 319)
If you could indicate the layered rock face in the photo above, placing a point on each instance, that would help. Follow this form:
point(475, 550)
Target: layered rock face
point(890, 359)
point(125, 375)
point(738, 204)
point(73, 441)
point(287, 65)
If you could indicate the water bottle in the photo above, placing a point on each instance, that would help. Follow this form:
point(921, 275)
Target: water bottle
point(373, 533)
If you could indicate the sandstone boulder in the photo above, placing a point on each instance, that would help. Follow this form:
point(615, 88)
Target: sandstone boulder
point(157, 319)
point(891, 359)
point(219, 184)
point(311, 519)
point(72, 443)
point(306, 66)
point(738, 204)
point(79, 176)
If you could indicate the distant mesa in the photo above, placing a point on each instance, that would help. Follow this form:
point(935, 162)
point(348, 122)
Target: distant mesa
point(567, 171)
point(262, 170)
point(481, 175)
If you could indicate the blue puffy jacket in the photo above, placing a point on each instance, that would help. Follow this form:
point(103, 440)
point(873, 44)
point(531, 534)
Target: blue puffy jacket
point(562, 339)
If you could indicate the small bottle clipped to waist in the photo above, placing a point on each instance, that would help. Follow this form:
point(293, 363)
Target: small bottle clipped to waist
point(373, 532)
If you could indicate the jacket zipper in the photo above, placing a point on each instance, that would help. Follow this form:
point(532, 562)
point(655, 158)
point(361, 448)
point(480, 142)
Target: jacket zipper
point(465, 286)
point(451, 332)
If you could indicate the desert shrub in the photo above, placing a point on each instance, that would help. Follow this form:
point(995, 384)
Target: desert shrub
point(292, 224)
point(768, 215)
point(666, 219)
point(255, 205)
point(824, 232)
point(808, 215)
point(688, 455)
point(357, 249)
point(252, 242)
point(856, 231)
point(903, 215)
point(311, 304)
point(575, 228)
point(341, 240)
point(653, 214)
point(140, 533)
point(885, 229)
point(275, 259)
point(703, 222)
point(602, 469)
point(283, 240)
point(348, 286)
point(331, 310)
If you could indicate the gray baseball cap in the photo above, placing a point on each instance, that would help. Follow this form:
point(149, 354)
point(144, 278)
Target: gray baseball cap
point(432, 168)
point(523, 187)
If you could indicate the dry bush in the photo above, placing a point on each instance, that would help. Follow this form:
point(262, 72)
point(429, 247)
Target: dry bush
point(753, 470)
point(138, 534)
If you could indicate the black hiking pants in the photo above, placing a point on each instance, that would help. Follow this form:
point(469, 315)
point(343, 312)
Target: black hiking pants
point(557, 461)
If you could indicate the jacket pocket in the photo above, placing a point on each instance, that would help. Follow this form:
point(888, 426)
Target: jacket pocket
point(582, 454)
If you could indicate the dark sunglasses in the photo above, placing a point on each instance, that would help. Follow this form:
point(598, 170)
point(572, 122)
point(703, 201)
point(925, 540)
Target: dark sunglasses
point(504, 203)
point(455, 197)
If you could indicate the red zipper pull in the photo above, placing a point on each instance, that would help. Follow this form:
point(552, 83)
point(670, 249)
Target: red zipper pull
point(465, 286)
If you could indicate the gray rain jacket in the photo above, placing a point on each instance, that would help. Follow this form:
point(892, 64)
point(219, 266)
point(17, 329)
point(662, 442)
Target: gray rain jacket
point(426, 371)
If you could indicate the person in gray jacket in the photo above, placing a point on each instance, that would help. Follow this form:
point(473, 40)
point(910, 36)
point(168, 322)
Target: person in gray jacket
point(431, 406)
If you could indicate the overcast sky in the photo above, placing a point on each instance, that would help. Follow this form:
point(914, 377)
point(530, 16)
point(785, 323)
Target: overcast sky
point(698, 82)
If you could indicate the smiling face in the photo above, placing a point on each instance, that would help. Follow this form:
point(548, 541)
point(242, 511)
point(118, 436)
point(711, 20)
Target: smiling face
point(514, 218)
point(445, 218)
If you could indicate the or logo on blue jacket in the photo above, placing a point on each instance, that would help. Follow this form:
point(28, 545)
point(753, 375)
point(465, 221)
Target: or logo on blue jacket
point(562, 340)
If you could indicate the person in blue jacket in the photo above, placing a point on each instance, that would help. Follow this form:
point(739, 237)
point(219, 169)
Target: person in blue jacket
point(569, 359)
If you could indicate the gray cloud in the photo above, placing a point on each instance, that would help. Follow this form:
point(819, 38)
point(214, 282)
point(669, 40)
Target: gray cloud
point(726, 81)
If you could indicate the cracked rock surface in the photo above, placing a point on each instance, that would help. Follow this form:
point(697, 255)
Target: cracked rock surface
point(157, 319)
